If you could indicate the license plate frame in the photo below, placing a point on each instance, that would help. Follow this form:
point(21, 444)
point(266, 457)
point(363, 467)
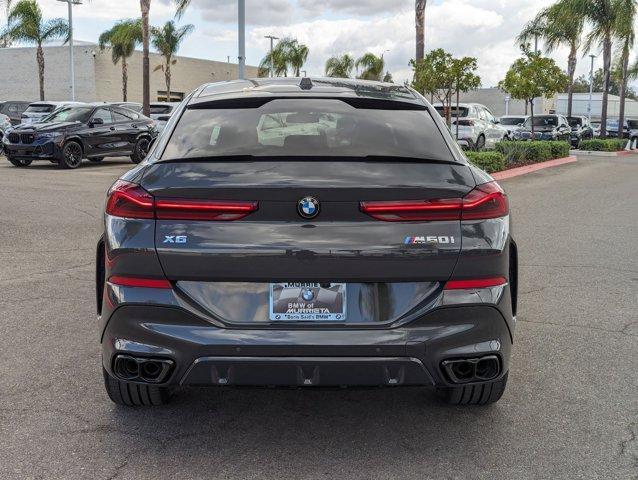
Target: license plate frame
point(307, 302)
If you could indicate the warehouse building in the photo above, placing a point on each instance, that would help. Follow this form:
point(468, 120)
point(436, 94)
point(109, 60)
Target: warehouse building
point(97, 78)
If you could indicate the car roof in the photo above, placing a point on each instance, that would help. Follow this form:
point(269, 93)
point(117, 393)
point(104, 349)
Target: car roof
point(522, 115)
point(294, 87)
point(45, 102)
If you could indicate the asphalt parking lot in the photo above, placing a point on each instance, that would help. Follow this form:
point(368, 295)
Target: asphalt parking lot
point(570, 410)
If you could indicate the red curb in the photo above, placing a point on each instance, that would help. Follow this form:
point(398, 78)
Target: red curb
point(515, 172)
point(622, 153)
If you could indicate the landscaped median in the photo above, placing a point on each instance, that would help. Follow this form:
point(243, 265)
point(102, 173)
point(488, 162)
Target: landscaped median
point(610, 147)
point(511, 159)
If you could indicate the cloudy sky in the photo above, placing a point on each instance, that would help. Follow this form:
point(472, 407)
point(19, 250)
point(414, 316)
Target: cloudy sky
point(481, 28)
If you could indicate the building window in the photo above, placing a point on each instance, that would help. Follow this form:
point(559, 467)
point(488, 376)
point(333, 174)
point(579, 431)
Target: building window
point(175, 96)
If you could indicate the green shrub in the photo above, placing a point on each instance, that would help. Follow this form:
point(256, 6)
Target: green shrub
point(525, 152)
point(603, 145)
point(489, 161)
point(560, 149)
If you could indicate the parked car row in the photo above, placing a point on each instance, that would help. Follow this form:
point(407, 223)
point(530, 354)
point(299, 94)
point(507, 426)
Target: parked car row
point(476, 125)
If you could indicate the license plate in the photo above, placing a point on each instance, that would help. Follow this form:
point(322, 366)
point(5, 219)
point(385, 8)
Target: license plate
point(308, 302)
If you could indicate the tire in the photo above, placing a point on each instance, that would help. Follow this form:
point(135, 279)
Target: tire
point(134, 394)
point(20, 162)
point(482, 394)
point(140, 150)
point(96, 159)
point(71, 155)
point(480, 143)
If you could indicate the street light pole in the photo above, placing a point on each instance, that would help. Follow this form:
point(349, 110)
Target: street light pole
point(591, 87)
point(272, 60)
point(241, 67)
point(70, 4)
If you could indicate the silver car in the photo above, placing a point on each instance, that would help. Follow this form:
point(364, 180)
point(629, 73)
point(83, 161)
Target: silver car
point(161, 112)
point(477, 129)
point(512, 123)
point(5, 124)
point(38, 110)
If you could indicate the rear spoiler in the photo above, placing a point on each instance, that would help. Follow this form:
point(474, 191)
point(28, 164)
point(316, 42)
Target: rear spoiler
point(370, 103)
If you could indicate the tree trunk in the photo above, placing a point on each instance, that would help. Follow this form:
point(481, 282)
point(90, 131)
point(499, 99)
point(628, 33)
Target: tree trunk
point(167, 76)
point(458, 99)
point(571, 71)
point(606, 78)
point(531, 111)
point(145, 6)
point(623, 90)
point(419, 17)
point(40, 57)
point(124, 79)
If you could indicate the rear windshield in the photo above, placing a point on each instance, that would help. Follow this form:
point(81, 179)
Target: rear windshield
point(542, 121)
point(512, 121)
point(160, 109)
point(461, 112)
point(40, 109)
point(310, 128)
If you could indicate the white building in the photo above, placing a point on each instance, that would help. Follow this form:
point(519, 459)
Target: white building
point(580, 104)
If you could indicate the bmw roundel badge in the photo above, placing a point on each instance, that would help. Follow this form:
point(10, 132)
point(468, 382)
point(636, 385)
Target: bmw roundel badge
point(308, 207)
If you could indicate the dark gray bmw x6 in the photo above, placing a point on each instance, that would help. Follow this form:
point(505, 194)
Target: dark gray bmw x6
point(306, 232)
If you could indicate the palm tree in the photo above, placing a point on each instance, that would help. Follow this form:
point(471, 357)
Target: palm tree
point(419, 16)
point(182, 5)
point(122, 39)
point(340, 67)
point(627, 37)
point(602, 16)
point(6, 42)
point(372, 66)
point(558, 25)
point(166, 41)
point(287, 54)
point(27, 25)
point(145, 7)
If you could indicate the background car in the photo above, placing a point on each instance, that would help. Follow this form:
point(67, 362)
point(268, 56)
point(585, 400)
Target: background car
point(14, 109)
point(38, 110)
point(512, 123)
point(581, 129)
point(612, 128)
point(5, 124)
point(136, 107)
point(161, 112)
point(72, 133)
point(546, 127)
point(477, 127)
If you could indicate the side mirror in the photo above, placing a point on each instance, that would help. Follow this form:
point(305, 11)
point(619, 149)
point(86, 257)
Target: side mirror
point(164, 118)
point(96, 121)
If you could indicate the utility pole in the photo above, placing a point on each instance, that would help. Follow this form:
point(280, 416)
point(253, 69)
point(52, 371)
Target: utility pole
point(70, 4)
point(241, 67)
point(591, 87)
point(272, 60)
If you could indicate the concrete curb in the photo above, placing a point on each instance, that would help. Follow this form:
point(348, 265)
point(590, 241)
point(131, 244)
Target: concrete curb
point(591, 153)
point(515, 172)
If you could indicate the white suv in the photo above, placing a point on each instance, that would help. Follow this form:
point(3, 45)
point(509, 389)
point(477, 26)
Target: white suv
point(478, 129)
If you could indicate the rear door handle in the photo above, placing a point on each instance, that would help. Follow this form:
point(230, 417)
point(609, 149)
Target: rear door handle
point(112, 128)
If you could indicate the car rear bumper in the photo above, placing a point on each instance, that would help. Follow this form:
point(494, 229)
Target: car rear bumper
point(204, 354)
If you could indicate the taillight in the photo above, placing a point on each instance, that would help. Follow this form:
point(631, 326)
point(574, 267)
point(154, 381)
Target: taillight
point(129, 200)
point(140, 282)
point(475, 283)
point(485, 201)
point(177, 209)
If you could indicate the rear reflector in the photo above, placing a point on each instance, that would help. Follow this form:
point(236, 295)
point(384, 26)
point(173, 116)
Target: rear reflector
point(139, 282)
point(129, 200)
point(476, 283)
point(485, 201)
point(177, 209)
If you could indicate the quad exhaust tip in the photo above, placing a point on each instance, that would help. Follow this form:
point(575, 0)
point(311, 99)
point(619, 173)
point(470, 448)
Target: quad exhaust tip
point(467, 370)
point(150, 370)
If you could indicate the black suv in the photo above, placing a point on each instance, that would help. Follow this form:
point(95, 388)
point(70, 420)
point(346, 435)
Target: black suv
point(86, 131)
point(581, 129)
point(306, 232)
point(546, 127)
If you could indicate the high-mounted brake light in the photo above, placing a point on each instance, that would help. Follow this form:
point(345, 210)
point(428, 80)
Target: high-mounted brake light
point(476, 283)
point(140, 282)
point(177, 209)
point(483, 202)
point(129, 200)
